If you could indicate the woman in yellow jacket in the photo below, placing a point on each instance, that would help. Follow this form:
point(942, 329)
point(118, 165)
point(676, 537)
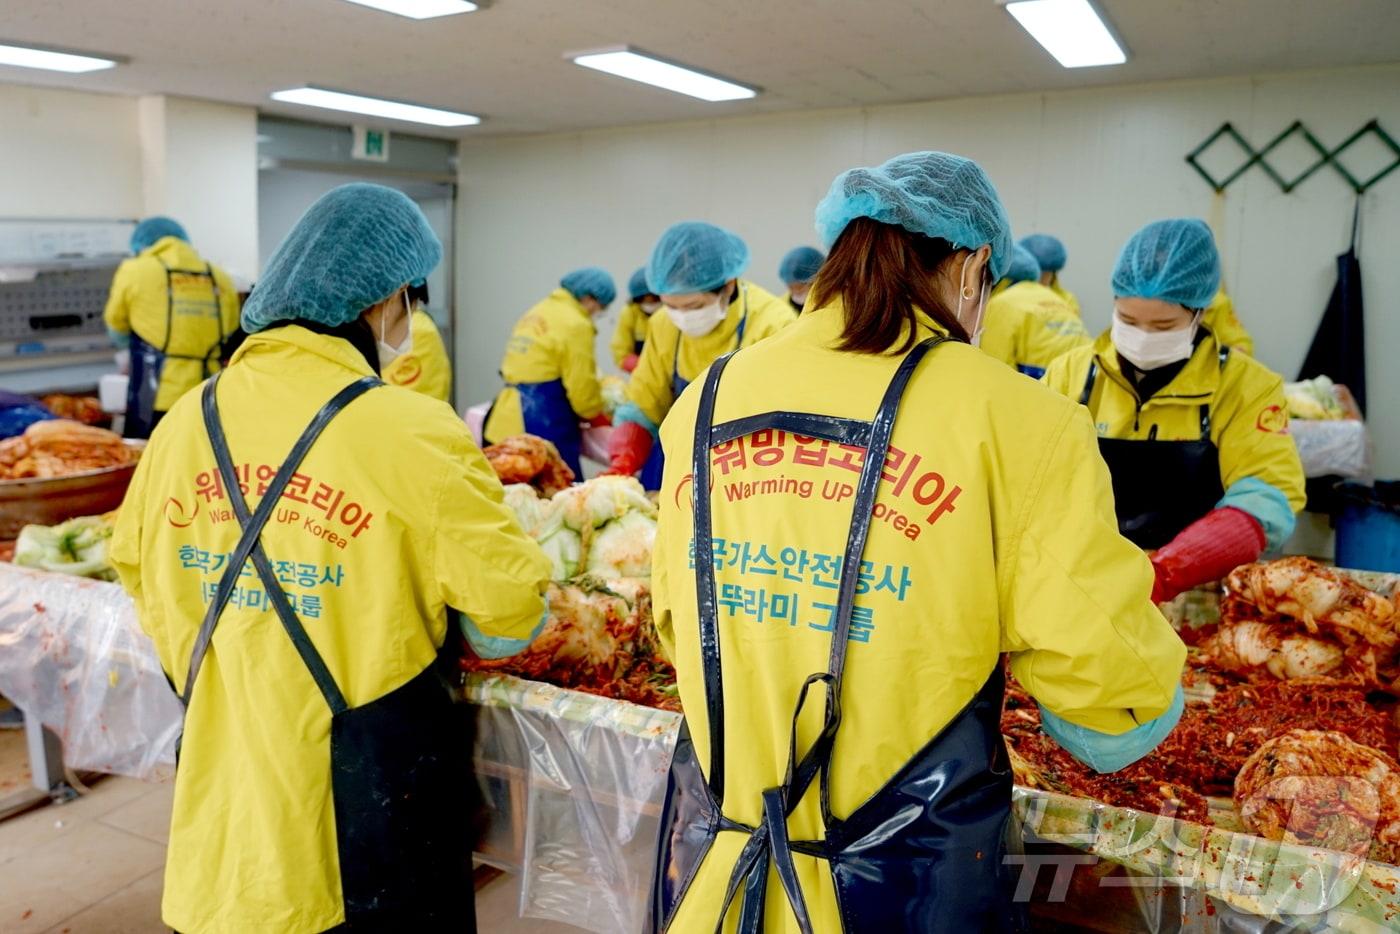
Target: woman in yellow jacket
point(630, 335)
point(1027, 325)
point(1194, 433)
point(323, 777)
point(1050, 254)
point(799, 267)
point(551, 379)
point(174, 311)
point(424, 366)
point(817, 534)
point(695, 268)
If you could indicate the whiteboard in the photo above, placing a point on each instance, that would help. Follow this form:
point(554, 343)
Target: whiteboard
point(42, 240)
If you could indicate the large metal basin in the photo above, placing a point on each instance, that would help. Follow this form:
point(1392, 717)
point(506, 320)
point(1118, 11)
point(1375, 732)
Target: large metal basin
point(48, 502)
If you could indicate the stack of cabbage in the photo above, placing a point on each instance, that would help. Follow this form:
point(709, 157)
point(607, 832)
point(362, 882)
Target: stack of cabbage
point(1314, 400)
point(77, 547)
point(604, 528)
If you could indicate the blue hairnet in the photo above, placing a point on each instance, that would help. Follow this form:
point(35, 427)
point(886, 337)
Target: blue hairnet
point(694, 256)
point(1048, 251)
point(1023, 267)
point(637, 285)
point(154, 228)
point(590, 281)
point(356, 246)
point(801, 265)
point(1173, 260)
point(935, 194)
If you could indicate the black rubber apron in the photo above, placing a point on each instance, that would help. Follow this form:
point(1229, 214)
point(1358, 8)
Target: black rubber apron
point(148, 362)
point(400, 773)
point(1160, 487)
point(924, 853)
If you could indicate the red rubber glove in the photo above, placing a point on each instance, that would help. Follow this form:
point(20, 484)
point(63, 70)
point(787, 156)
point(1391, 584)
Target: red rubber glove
point(630, 363)
point(628, 449)
point(1207, 550)
point(601, 420)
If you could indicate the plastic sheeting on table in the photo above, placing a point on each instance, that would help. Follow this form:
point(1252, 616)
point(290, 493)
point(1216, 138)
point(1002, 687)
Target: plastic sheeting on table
point(1339, 448)
point(73, 656)
point(574, 785)
point(1182, 876)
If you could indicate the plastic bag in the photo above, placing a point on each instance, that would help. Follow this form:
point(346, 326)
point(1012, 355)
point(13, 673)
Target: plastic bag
point(1334, 448)
point(73, 656)
point(574, 785)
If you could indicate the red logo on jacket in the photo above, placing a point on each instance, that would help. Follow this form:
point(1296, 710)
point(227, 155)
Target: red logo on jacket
point(1273, 420)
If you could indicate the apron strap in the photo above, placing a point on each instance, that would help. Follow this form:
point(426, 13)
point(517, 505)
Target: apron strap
point(252, 526)
point(1089, 382)
point(708, 610)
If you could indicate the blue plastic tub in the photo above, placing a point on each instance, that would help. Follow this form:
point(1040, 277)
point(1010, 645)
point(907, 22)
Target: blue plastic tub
point(1368, 530)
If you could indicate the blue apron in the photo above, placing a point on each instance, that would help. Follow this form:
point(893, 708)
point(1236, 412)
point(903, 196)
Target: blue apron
point(925, 852)
point(148, 362)
point(656, 460)
point(548, 414)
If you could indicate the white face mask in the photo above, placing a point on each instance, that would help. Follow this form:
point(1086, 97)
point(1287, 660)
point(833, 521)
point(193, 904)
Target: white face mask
point(974, 330)
point(388, 353)
point(697, 322)
point(649, 308)
point(1149, 350)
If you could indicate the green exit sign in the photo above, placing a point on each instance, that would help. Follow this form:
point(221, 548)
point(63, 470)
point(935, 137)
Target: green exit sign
point(371, 145)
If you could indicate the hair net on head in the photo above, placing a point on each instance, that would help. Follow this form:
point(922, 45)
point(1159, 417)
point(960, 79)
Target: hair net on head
point(637, 285)
point(1172, 260)
point(590, 282)
point(1048, 251)
point(801, 264)
point(356, 246)
point(1023, 267)
point(694, 256)
point(154, 228)
point(936, 194)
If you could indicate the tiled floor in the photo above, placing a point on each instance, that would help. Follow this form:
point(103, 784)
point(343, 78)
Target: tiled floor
point(94, 866)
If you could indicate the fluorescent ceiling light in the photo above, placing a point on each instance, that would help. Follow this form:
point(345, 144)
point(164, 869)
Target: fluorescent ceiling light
point(373, 107)
point(1070, 30)
point(23, 56)
point(626, 63)
point(420, 9)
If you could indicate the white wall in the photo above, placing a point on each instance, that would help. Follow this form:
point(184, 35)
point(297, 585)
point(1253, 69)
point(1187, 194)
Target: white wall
point(68, 154)
point(1089, 166)
point(76, 154)
point(201, 167)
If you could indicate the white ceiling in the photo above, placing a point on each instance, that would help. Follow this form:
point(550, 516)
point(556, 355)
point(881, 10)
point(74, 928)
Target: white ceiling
point(505, 62)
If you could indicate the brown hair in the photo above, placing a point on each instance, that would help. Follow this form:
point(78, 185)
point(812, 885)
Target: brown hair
point(882, 273)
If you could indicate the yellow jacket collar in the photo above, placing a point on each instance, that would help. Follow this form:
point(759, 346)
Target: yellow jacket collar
point(174, 252)
point(295, 338)
point(1200, 378)
point(826, 323)
point(562, 294)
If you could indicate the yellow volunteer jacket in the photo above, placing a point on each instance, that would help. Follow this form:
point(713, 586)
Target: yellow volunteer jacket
point(668, 351)
point(393, 517)
point(1259, 467)
point(139, 303)
point(993, 532)
point(553, 340)
point(425, 368)
point(1066, 294)
point(1027, 325)
point(1220, 318)
point(632, 327)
